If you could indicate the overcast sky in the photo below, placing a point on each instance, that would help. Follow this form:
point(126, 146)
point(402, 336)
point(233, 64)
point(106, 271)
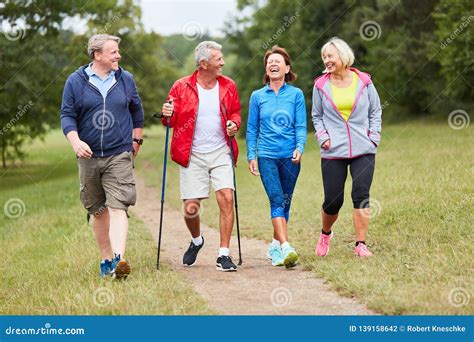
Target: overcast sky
point(187, 16)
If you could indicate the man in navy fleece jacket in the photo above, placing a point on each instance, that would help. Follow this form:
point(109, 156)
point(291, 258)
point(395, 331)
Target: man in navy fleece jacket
point(102, 117)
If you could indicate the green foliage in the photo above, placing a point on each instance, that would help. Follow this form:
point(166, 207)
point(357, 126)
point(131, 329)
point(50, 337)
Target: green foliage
point(420, 58)
point(29, 92)
point(454, 20)
point(39, 53)
point(396, 48)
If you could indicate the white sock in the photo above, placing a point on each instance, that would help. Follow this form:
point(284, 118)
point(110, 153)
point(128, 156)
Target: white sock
point(275, 242)
point(198, 241)
point(285, 245)
point(224, 251)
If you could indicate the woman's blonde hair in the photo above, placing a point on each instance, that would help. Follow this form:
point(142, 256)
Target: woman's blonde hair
point(343, 50)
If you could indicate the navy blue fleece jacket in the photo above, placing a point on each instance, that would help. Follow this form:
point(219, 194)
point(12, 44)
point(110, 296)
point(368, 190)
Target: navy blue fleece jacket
point(105, 124)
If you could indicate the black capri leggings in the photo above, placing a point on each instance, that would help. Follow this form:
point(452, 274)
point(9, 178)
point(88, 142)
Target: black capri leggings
point(334, 177)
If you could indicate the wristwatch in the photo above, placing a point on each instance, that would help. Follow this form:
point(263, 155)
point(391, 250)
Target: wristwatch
point(138, 141)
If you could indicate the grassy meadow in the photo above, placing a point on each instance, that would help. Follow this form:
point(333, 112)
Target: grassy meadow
point(421, 231)
point(50, 263)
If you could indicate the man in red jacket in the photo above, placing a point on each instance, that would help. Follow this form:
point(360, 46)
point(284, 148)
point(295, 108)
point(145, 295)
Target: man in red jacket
point(204, 113)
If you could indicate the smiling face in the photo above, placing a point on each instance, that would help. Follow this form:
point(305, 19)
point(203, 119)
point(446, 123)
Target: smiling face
point(215, 63)
point(276, 67)
point(109, 56)
point(331, 60)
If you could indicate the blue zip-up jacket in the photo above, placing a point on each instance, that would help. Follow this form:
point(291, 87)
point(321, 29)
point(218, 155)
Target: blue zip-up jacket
point(361, 133)
point(105, 124)
point(276, 124)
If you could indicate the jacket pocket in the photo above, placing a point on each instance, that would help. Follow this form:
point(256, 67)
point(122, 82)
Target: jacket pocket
point(368, 136)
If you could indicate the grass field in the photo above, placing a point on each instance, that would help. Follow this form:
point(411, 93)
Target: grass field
point(49, 258)
point(422, 231)
point(422, 227)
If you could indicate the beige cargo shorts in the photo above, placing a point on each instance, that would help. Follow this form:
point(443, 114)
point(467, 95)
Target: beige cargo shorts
point(205, 169)
point(107, 182)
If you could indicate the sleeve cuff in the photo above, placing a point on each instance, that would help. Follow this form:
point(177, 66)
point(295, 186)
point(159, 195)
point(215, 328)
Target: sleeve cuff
point(322, 136)
point(68, 129)
point(375, 138)
point(138, 124)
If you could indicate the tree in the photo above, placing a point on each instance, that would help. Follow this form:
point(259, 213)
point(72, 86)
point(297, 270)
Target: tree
point(454, 47)
point(38, 53)
point(300, 27)
point(399, 42)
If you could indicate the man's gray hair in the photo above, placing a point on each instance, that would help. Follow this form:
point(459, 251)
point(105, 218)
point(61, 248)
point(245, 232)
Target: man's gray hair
point(203, 51)
point(96, 43)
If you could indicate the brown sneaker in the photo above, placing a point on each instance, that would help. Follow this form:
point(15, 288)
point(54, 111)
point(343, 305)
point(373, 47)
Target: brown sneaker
point(122, 268)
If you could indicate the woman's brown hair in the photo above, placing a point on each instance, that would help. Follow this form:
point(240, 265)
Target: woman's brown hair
point(290, 76)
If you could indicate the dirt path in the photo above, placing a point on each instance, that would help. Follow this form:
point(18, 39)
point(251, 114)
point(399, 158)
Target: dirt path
point(256, 288)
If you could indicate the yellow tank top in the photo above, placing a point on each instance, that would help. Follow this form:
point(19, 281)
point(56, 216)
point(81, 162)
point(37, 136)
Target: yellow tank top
point(344, 97)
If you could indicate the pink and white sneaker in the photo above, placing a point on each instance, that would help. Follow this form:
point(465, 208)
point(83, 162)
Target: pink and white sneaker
point(362, 251)
point(322, 247)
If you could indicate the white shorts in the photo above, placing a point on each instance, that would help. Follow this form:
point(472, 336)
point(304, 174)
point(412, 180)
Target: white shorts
point(205, 168)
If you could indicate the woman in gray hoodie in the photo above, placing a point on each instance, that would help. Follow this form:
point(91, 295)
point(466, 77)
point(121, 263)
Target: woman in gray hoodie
point(347, 117)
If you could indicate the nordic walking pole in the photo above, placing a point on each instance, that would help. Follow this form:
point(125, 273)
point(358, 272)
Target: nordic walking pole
point(235, 199)
point(165, 158)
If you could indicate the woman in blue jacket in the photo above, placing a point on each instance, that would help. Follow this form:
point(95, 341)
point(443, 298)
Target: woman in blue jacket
point(347, 117)
point(276, 132)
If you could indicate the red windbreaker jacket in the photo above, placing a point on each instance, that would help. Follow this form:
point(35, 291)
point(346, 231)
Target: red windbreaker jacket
point(184, 94)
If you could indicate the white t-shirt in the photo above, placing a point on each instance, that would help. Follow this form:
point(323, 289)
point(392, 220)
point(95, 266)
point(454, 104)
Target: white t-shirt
point(208, 133)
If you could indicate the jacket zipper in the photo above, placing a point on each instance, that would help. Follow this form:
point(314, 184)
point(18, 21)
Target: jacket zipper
point(103, 117)
point(226, 117)
point(194, 125)
point(346, 122)
point(103, 110)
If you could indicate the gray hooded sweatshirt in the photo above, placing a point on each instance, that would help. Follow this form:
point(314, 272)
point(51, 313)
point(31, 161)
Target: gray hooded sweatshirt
point(361, 133)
